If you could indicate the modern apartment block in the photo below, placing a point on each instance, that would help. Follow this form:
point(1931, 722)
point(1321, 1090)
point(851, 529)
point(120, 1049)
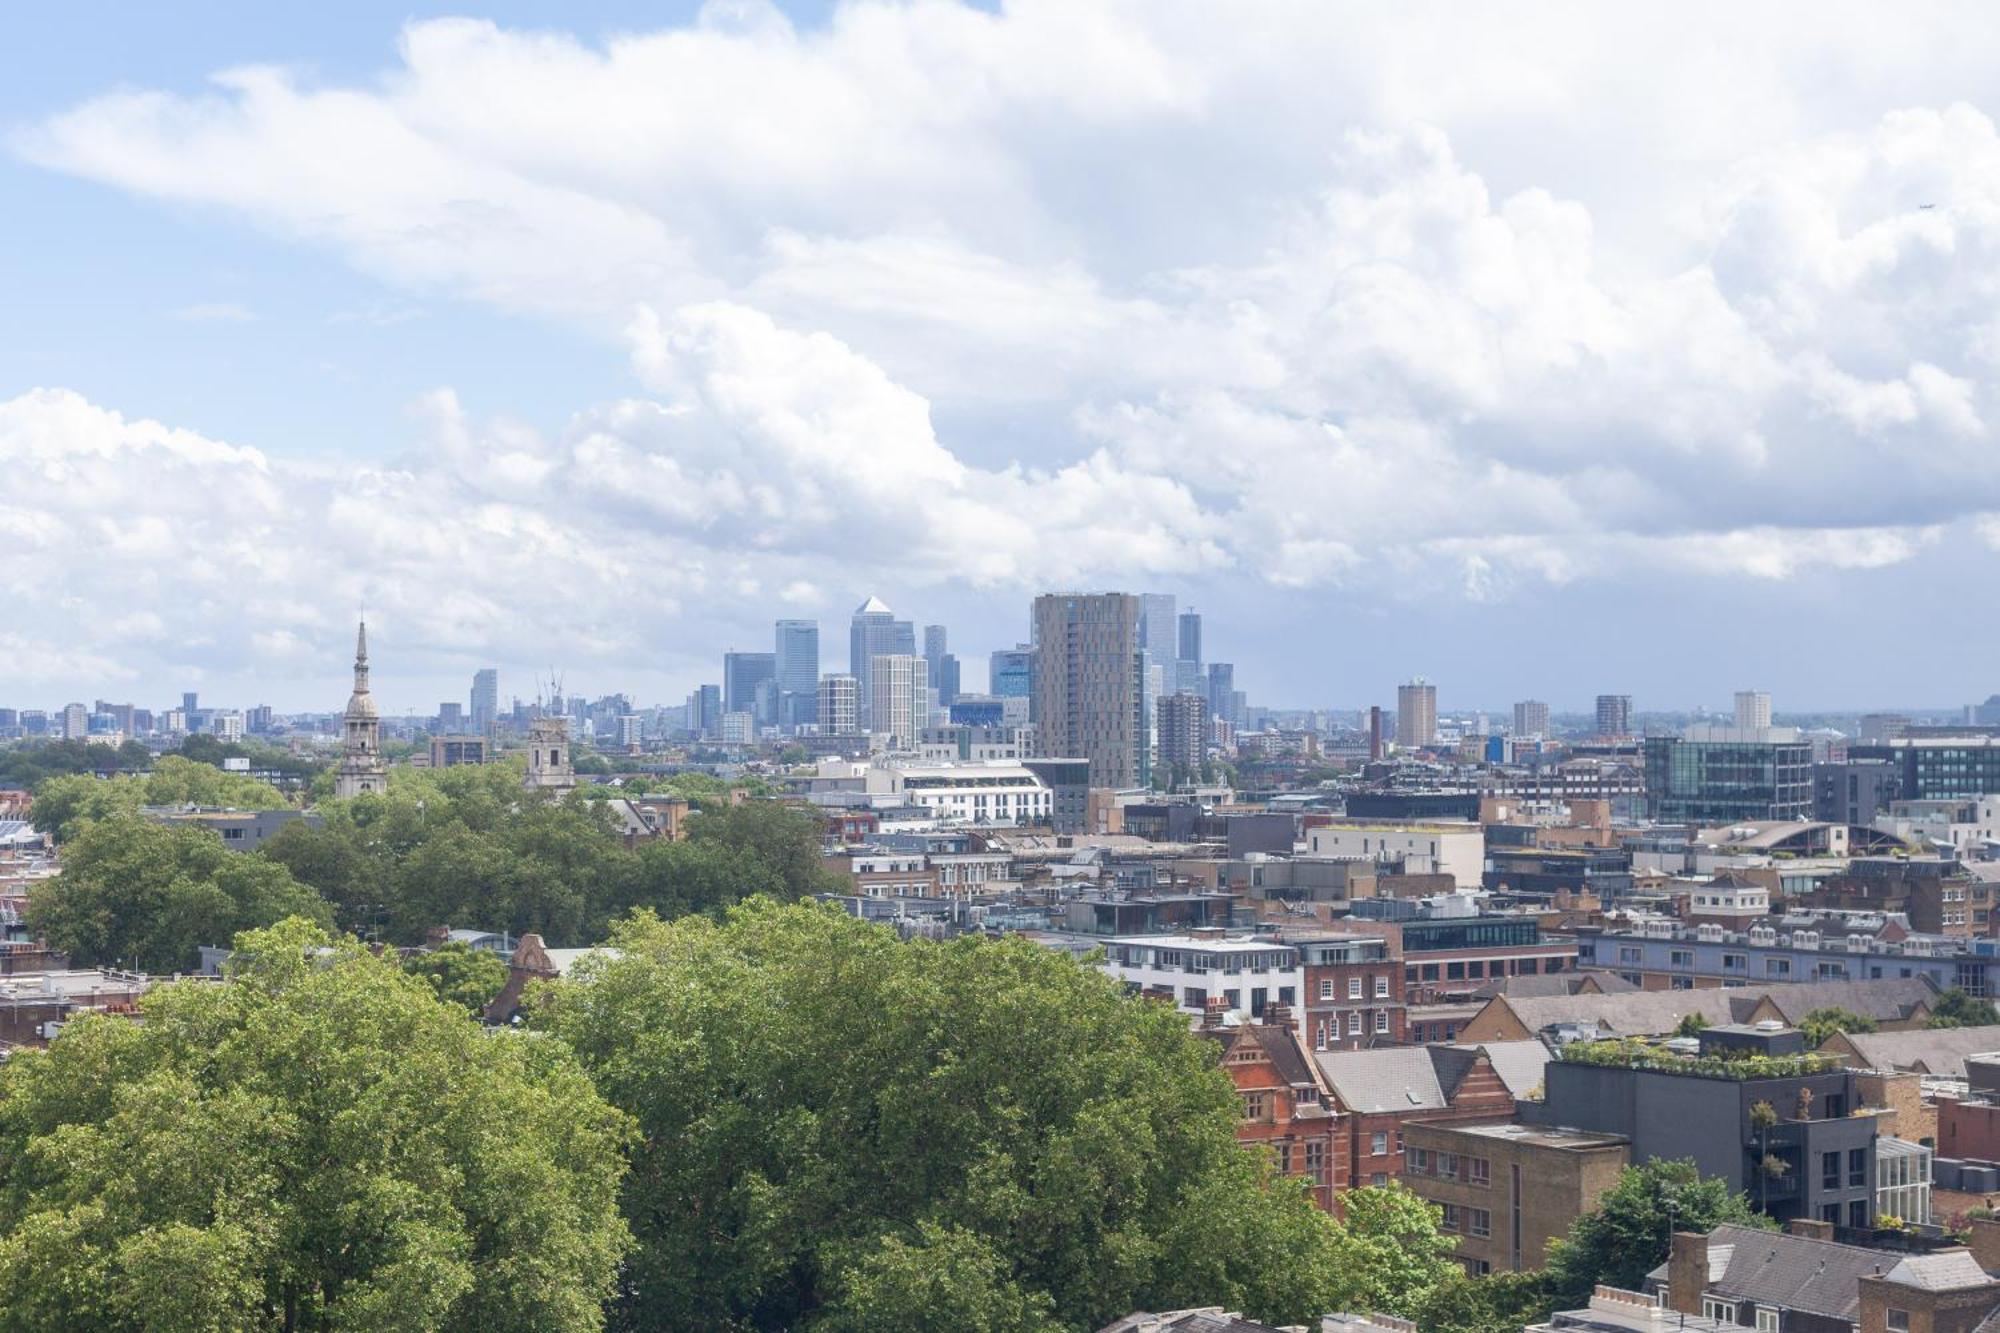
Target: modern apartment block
point(1416, 714)
point(1090, 699)
point(1723, 775)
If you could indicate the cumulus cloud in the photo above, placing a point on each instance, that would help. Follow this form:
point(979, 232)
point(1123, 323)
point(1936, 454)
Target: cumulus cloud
point(1263, 296)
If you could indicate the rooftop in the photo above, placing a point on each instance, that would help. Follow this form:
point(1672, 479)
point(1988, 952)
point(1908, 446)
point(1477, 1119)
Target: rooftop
point(1572, 1140)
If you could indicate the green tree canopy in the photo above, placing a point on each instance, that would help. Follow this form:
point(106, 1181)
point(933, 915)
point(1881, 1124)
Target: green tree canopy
point(1956, 1009)
point(1821, 1024)
point(828, 1113)
point(1390, 1254)
point(463, 977)
point(316, 1144)
point(151, 894)
point(64, 805)
point(1629, 1232)
point(30, 763)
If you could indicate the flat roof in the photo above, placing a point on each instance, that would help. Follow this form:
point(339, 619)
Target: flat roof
point(1192, 942)
point(1540, 1136)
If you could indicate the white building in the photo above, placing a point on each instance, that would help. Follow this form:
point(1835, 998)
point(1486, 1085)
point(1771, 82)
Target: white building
point(1454, 849)
point(967, 793)
point(839, 712)
point(1971, 826)
point(1244, 972)
point(898, 698)
point(1753, 710)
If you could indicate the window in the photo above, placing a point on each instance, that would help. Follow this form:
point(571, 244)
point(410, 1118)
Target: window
point(1481, 1222)
point(1284, 1159)
point(1378, 1178)
point(1829, 1170)
point(1354, 1025)
point(1777, 967)
point(1381, 1020)
point(1381, 988)
point(1316, 1161)
point(1326, 988)
point(1857, 1166)
point(1680, 958)
point(1767, 1319)
point(1735, 962)
point(1722, 1312)
point(1194, 997)
point(1256, 1105)
point(1354, 988)
point(1898, 1321)
point(1478, 1171)
point(1447, 1165)
point(1451, 1218)
point(1420, 1161)
point(1378, 1143)
point(1628, 954)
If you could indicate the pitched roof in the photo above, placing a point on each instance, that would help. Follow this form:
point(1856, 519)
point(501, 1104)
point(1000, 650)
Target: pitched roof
point(1210, 1319)
point(1554, 983)
point(1939, 1051)
point(1520, 1064)
point(1281, 1044)
point(1947, 1270)
point(1649, 1013)
point(1389, 1078)
point(1803, 1273)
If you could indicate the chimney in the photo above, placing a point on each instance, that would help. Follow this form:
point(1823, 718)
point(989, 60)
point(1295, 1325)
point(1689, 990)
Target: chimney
point(1278, 1014)
point(1214, 1012)
point(1687, 1272)
point(1985, 1243)
point(1810, 1227)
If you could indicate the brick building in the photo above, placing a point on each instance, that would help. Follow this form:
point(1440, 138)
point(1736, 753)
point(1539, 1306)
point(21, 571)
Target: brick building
point(1286, 1107)
point(1353, 990)
point(1506, 1190)
point(1377, 1092)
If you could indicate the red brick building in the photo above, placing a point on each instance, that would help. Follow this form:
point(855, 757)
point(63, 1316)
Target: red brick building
point(1285, 1104)
point(1353, 989)
point(1376, 1092)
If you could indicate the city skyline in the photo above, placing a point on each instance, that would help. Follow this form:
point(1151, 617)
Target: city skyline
point(1383, 385)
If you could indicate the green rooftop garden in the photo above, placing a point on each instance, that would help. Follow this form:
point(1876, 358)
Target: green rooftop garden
point(1629, 1053)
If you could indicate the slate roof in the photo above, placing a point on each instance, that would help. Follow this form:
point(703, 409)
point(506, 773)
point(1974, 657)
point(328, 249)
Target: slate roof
point(1210, 1319)
point(1649, 1013)
point(1389, 1078)
point(1819, 1277)
point(1557, 983)
point(1947, 1270)
point(1520, 1064)
point(1939, 1051)
point(1280, 1044)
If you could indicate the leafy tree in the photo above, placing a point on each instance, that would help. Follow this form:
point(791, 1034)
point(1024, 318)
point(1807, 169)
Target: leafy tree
point(150, 894)
point(317, 1144)
point(463, 977)
point(1956, 1009)
point(1821, 1024)
point(1691, 1025)
point(31, 763)
point(826, 1112)
point(1629, 1233)
point(64, 805)
point(679, 878)
point(786, 841)
point(1496, 1303)
point(1390, 1253)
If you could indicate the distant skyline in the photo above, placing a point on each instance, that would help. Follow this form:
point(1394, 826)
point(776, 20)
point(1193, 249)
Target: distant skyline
point(1541, 351)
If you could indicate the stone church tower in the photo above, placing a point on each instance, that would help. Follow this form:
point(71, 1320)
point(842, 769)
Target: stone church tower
point(549, 766)
point(361, 768)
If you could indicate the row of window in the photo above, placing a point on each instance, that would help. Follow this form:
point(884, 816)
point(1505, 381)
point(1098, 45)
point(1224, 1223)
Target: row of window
point(1451, 1166)
point(1313, 1160)
point(1354, 988)
point(1725, 1312)
point(1357, 1025)
point(1476, 1222)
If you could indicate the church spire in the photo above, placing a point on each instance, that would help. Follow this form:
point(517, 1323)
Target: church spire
point(361, 658)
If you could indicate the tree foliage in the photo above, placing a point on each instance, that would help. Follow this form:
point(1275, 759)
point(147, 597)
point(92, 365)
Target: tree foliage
point(1821, 1024)
point(31, 763)
point(830, 1118)
point(151, 894)
point(462, 977)
point(317, 1144)
point(1956, 1009)
point(1390, 1254)
point(1629, 1233)
point(1496, 1303)
point(64, 805)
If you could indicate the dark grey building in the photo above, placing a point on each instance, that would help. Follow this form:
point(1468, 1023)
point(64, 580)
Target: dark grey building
point(1854, 792)
point(1939, 768)
point(1068, 782)
point(1701, 1109)
point(1724, 777)
point(744, 675)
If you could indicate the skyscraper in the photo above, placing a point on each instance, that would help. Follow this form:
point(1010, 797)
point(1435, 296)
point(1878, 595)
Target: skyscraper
point(742, 674)
point(1089, 700)
point(839, 704)
point(1416, 714)
point(1221, 691)
point(942, 664)
point(1614, 715)
point(1183, 735)
point(1531, 718)
point(1188, 673)
point(899, 697)
point(874, 630)
point(1753, 710)
point(485, 699)
point(798, 670)
point(704, 710)
point(1012, 673)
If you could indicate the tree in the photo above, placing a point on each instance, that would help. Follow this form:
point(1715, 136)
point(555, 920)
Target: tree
point(151, 894)
point(785, 840)
point(1390, 1253)
point(1628, 1234)
point(460, 976)
point(1691, 1025)
point(943, 1280)
point(1956, 1009)
point(65, 805)
point(1821, 1024)
point(317, 1144)
point(1496, 1303)
point(825, 1111)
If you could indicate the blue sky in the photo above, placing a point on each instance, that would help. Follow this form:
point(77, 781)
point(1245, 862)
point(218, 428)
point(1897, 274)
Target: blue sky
point(1542, 350)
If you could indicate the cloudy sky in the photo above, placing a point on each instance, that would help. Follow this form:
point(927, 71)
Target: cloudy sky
point(1539, 349)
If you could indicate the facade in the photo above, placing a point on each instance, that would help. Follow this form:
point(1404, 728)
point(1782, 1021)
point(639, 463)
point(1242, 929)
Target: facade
point(1353, 991)
point(872, 632)
point(451, 751)
point(899, 698)
point(1939, 768)
point(1089, 696)
point(1241, 974)
point(485, 699)
point(1183, 736)
point(747, 682)
point(1753, 710)
point(1416, 714)
point(839, 712)
point(361, 769)
point(1068, 781)
point(1614, 715)
point(1380, 1092)
point(992, 794)
point(1671, 1108)
point(1286, 1110)
point(1856, 791)
point(1531, 718)
point(1221, 691)
point(549, 764)
point(943, 666)
point(1011, 673)
point(1458, 850)
point(796, 650)
point(1506, 1190)
point(1720, 775)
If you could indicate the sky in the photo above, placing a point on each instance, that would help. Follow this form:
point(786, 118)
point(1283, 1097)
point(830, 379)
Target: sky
point(1540, 350)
